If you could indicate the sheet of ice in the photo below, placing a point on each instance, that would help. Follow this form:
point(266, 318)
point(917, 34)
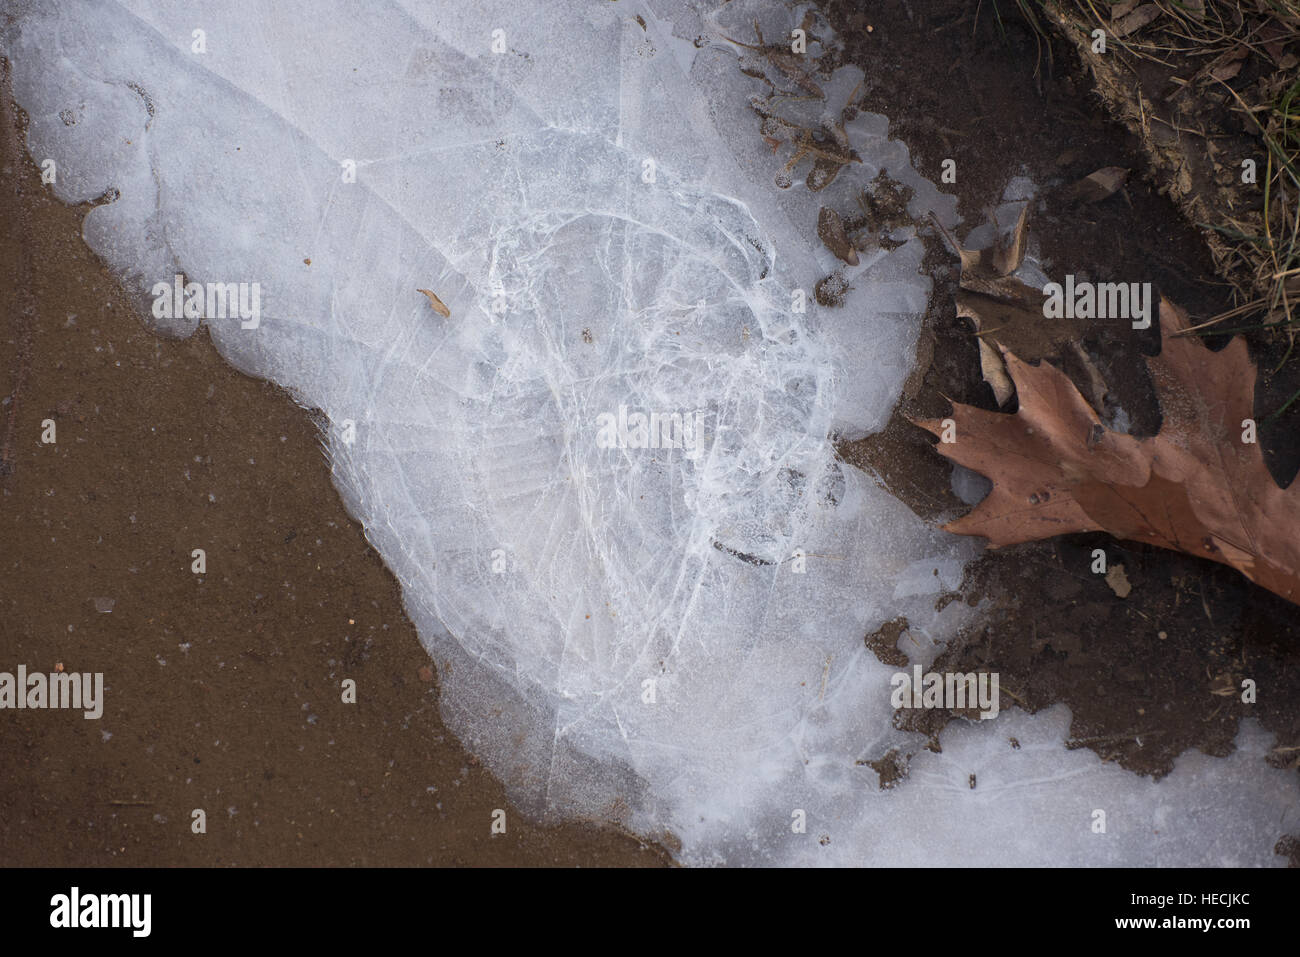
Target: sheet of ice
point(668, 637)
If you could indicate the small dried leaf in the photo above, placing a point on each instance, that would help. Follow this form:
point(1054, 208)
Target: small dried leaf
point(831, 230)
point(994, 302)
point(438, 306)
point(822, 174)
point(1275, 37)
point(1226, 71)
point(1229, 64)
point(789, 64)
point(1007, 256)
point(1136, 20)
point(995, 374)
point(1097, 186)
point(1118, 581)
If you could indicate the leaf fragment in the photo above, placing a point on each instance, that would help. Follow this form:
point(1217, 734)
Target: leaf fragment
point(1097, 186)
point(831, 230)
point(1118, 581)
point(995, 373)
point(1136, 20)
point(438, 306)
point(1010, 253)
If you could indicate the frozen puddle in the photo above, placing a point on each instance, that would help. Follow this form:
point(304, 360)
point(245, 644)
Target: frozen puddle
point(664, 630)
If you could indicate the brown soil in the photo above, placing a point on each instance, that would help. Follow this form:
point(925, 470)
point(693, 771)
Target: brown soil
point(1147, 676)
point(1187, 90)
point(223, 690)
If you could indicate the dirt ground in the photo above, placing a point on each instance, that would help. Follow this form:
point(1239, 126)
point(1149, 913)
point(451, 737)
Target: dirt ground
point(1140, 673)
point(225, 687)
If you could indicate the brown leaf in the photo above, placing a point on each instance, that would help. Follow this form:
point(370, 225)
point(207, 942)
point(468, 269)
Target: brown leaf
point(1275, 36)
point(789, 64)
point(831, 230)
point(981, 268)
point(1095, 187)
point(1136, 20)
point(1118, 581)
point(995, 373)
point(1014, 318)
point(1003, 304)
point(1009, 254)
point(1226, 71)
point(785, 61)
point(1229, 64)
point(437, 303)
point(1195, 487)
point(823, 173)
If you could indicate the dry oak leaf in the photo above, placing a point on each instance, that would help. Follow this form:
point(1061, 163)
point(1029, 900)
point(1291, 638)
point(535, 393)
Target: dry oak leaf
point(994, 300)
point(1194, 487)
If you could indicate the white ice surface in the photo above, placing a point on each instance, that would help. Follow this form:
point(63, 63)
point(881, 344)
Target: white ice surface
point(517, 177)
